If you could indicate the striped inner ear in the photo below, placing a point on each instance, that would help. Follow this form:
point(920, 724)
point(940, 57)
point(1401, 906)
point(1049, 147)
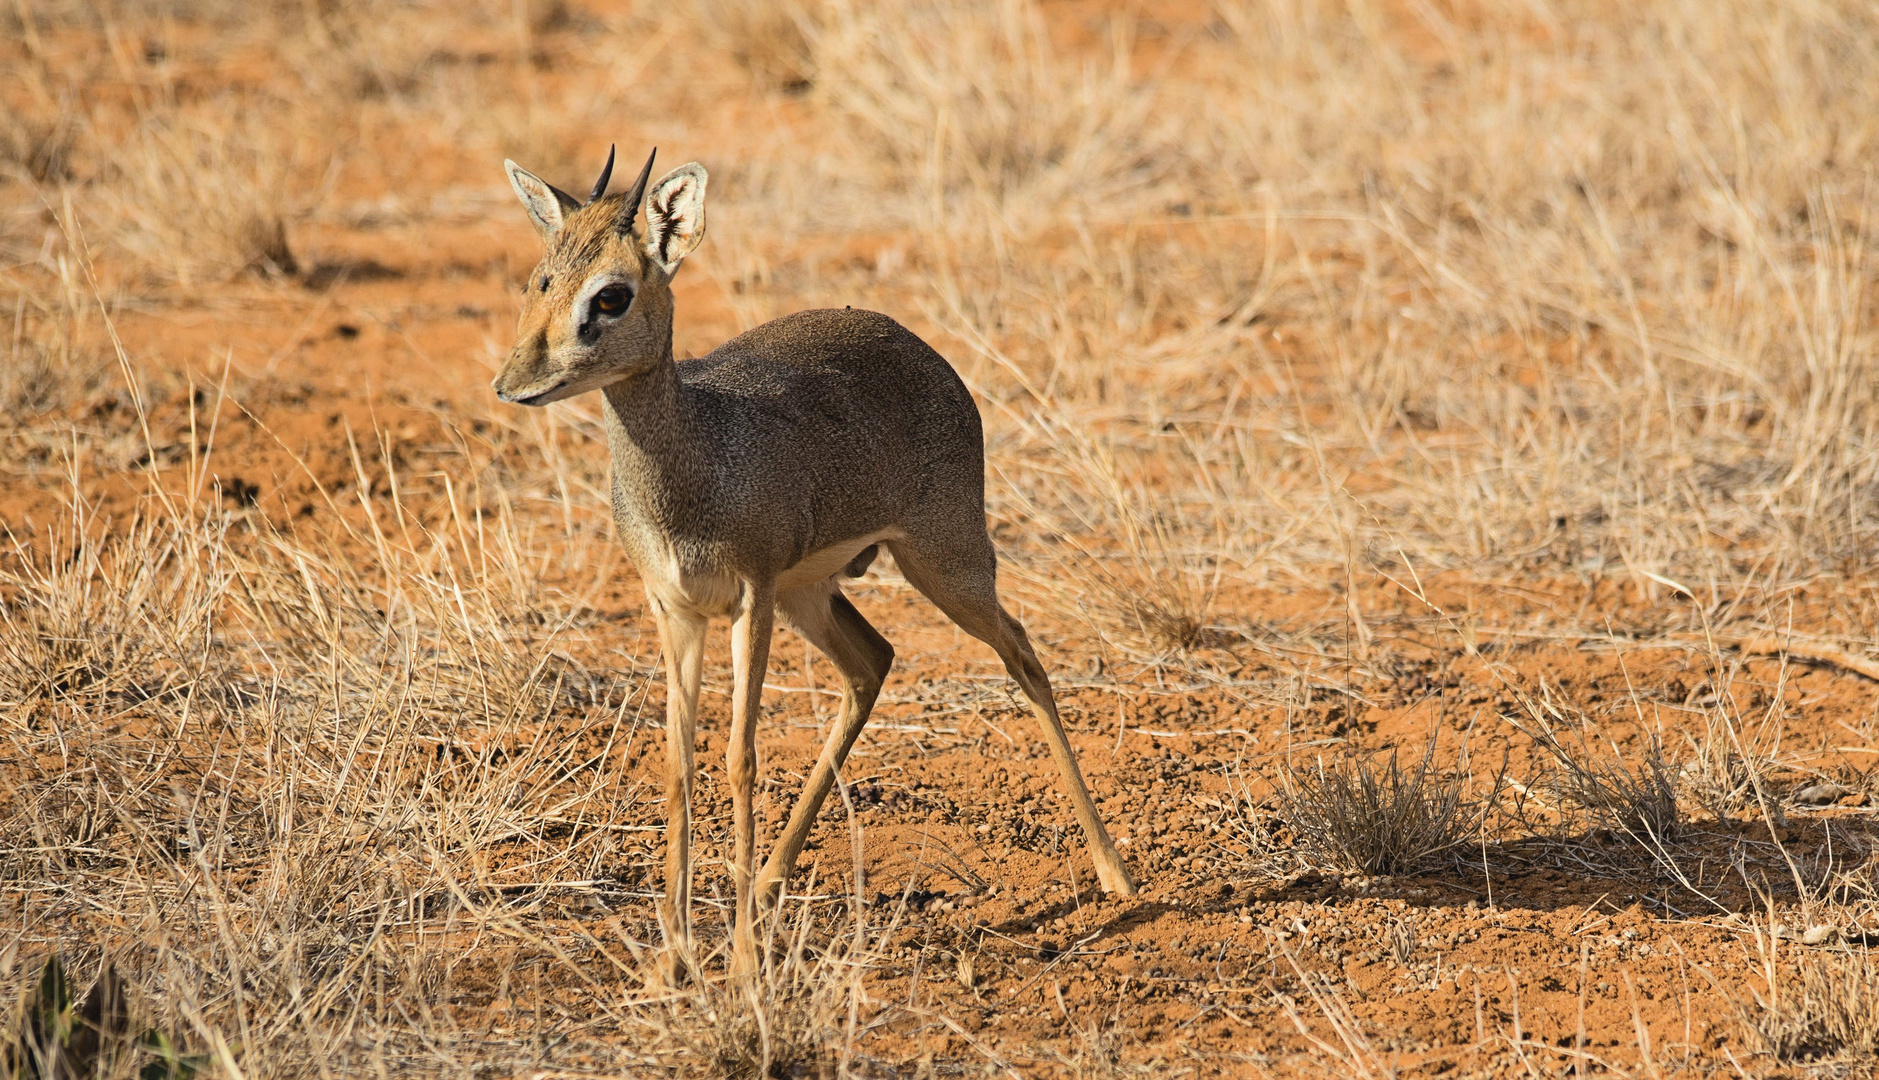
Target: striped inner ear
point(675, 215)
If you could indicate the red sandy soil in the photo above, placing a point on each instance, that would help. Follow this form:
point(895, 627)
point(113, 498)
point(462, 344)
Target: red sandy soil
point(1532, 950)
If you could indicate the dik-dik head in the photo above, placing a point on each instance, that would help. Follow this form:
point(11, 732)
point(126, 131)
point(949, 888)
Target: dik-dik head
point(598, 307)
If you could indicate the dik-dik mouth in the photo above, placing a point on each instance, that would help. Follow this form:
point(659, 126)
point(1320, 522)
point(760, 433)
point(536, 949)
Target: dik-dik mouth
point(532, 396)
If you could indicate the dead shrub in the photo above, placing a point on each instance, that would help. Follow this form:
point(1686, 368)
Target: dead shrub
point(1357, 817)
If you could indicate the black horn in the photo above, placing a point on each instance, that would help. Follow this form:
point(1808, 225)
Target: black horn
point(606, 174)
point(630, 212)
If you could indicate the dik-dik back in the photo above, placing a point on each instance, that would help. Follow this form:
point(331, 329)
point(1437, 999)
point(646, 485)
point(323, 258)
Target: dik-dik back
point(832, 424)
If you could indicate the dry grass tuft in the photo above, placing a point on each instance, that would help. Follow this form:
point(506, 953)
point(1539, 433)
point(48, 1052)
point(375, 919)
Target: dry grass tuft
point(1355, 817)
point(1827, 1008)
point(1147, 587)
point(50, 364)
point(769, 40)
point(39, 145)
point(971, 106)
point(310, 768)
point(1732, 762)
point(96, 617)
point(796, 1018)
point(204, 197)
point(1638, 802)
point(1099, 1054)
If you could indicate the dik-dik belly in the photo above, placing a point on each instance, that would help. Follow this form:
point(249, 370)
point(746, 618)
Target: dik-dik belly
point(825, 563)
point(712, 589)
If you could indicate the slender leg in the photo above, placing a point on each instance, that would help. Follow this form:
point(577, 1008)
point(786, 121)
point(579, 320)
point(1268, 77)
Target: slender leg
point(750, 657)
point(1024, 666)
point(830, 623)
point(682, 635)
point(963, 584)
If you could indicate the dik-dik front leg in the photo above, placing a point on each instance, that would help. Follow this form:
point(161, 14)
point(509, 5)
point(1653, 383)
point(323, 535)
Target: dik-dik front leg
point(682, 636)
point(750, 657)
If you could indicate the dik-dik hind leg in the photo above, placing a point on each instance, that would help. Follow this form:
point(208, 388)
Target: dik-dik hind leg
point(961, 580)
point(750, 658)
point(682, 637)
point(824, 616)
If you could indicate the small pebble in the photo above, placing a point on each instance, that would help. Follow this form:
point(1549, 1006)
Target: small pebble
point(1820, 935)
point(1820, 794)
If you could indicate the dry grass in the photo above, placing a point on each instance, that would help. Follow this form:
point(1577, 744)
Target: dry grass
point(1305, 293)
point(799, 1016)
point(1357, 817)
point(310, 773)
point(973, 107)
point(1330, 199)
point(1638, 800)
point(309, 776)
point(99, 1034)
point(96, 624)
point(1825, 1009)
point(771, 41)
point(38, 145)
point(52, 359)
point(203, 197)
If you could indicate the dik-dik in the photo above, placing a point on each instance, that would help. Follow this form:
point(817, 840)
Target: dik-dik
point(749, 482)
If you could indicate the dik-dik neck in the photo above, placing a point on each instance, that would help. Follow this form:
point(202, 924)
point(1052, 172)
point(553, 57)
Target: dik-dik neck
point(659, 451)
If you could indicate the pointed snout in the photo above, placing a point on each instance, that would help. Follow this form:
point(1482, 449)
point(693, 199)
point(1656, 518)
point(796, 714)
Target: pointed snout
point(527, 379)
point(527, 396)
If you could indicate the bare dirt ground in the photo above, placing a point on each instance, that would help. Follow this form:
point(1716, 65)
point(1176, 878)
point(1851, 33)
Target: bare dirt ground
point(1483, 385)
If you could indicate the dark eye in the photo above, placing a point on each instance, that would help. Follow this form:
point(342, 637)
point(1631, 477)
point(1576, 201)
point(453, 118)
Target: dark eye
point(612, 300)
point(545, 280)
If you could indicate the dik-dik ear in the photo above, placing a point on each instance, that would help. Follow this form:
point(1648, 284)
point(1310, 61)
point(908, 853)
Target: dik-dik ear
point(675, 216)
point(547, 205)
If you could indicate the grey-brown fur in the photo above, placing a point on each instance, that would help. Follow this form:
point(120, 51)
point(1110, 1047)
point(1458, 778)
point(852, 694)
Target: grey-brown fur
point(747, 482)
point(805, 432)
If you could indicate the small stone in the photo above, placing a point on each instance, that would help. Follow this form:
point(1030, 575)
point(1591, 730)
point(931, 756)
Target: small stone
point(1820, 935)
point(1821, 794)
